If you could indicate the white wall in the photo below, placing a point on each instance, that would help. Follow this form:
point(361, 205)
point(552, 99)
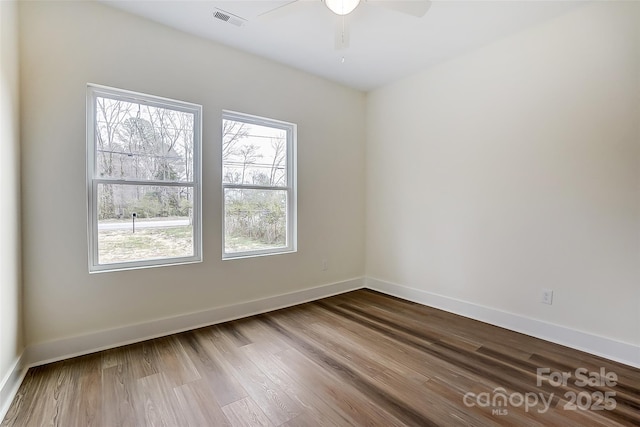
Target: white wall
point(64, 45)
point(516, 167)
point(11, 344)
point(508, 169)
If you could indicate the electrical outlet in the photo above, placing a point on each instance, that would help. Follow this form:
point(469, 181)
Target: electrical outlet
point(325, 265)
point(547, 296)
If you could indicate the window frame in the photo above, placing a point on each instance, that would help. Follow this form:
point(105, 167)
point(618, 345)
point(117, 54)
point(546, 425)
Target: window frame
point(291, 131)
point(92, 180)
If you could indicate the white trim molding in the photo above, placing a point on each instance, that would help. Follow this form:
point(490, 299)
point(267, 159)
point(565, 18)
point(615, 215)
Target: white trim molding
point(52, 351)
point(10, 384)
point(625, 353)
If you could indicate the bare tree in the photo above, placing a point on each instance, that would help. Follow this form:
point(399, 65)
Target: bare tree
point(279, 156)
point(145, 143)
point(232, 133)
point(249, 154)
point(109, 117)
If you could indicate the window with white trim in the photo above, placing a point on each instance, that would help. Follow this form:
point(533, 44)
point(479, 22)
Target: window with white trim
point(258, 185)
point(143, 180)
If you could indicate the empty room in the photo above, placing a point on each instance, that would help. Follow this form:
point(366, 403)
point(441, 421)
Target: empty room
point(319, 213)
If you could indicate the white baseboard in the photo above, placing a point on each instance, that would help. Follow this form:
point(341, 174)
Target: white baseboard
point(10, 384)
point(52, 351)
point(625, 353)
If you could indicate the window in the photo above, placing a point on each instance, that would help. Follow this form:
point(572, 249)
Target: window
point(258, 182)
point(143, 180)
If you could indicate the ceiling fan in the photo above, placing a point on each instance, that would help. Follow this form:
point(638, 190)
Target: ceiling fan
point(342, 8)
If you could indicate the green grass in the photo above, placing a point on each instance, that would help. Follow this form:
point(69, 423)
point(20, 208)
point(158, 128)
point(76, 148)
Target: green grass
point(144, 244)
point(243, 243)
point(162, 242)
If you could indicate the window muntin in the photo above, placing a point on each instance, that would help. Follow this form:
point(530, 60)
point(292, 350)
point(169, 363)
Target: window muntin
point(143, 180)
point(258, 180)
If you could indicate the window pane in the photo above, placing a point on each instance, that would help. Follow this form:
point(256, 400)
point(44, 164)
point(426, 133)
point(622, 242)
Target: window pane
point(162, 227)
point(255, 219)
point(142, 142)
point(253, 154)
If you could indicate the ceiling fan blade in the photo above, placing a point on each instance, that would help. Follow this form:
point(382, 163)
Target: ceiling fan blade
point(280, 11)
point(342, 32)
point(416, 8)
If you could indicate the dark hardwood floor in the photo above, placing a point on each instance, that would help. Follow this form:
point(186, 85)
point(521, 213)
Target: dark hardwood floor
point(361, 358)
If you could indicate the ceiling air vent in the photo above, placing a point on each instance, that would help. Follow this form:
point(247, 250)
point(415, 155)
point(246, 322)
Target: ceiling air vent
point(228, 17)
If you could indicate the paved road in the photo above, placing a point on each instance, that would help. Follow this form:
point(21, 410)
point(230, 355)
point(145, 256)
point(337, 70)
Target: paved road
point(142, 224)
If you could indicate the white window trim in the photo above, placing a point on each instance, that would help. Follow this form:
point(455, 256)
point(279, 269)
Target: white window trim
point(93, 91)
point(291, 187)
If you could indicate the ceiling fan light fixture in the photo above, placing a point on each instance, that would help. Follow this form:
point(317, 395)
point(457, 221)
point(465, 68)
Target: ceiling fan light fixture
point(342, 7)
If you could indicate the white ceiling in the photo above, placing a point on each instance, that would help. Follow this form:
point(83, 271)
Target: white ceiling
point(384, 44)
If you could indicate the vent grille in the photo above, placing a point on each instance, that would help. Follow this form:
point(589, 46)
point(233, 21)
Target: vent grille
point(222, 16)
point(229, 17)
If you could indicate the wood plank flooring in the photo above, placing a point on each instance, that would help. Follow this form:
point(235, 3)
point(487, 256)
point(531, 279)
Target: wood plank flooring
point(357, 359)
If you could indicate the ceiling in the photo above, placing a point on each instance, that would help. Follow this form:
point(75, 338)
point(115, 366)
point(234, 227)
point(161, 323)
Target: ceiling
point(384, 46)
